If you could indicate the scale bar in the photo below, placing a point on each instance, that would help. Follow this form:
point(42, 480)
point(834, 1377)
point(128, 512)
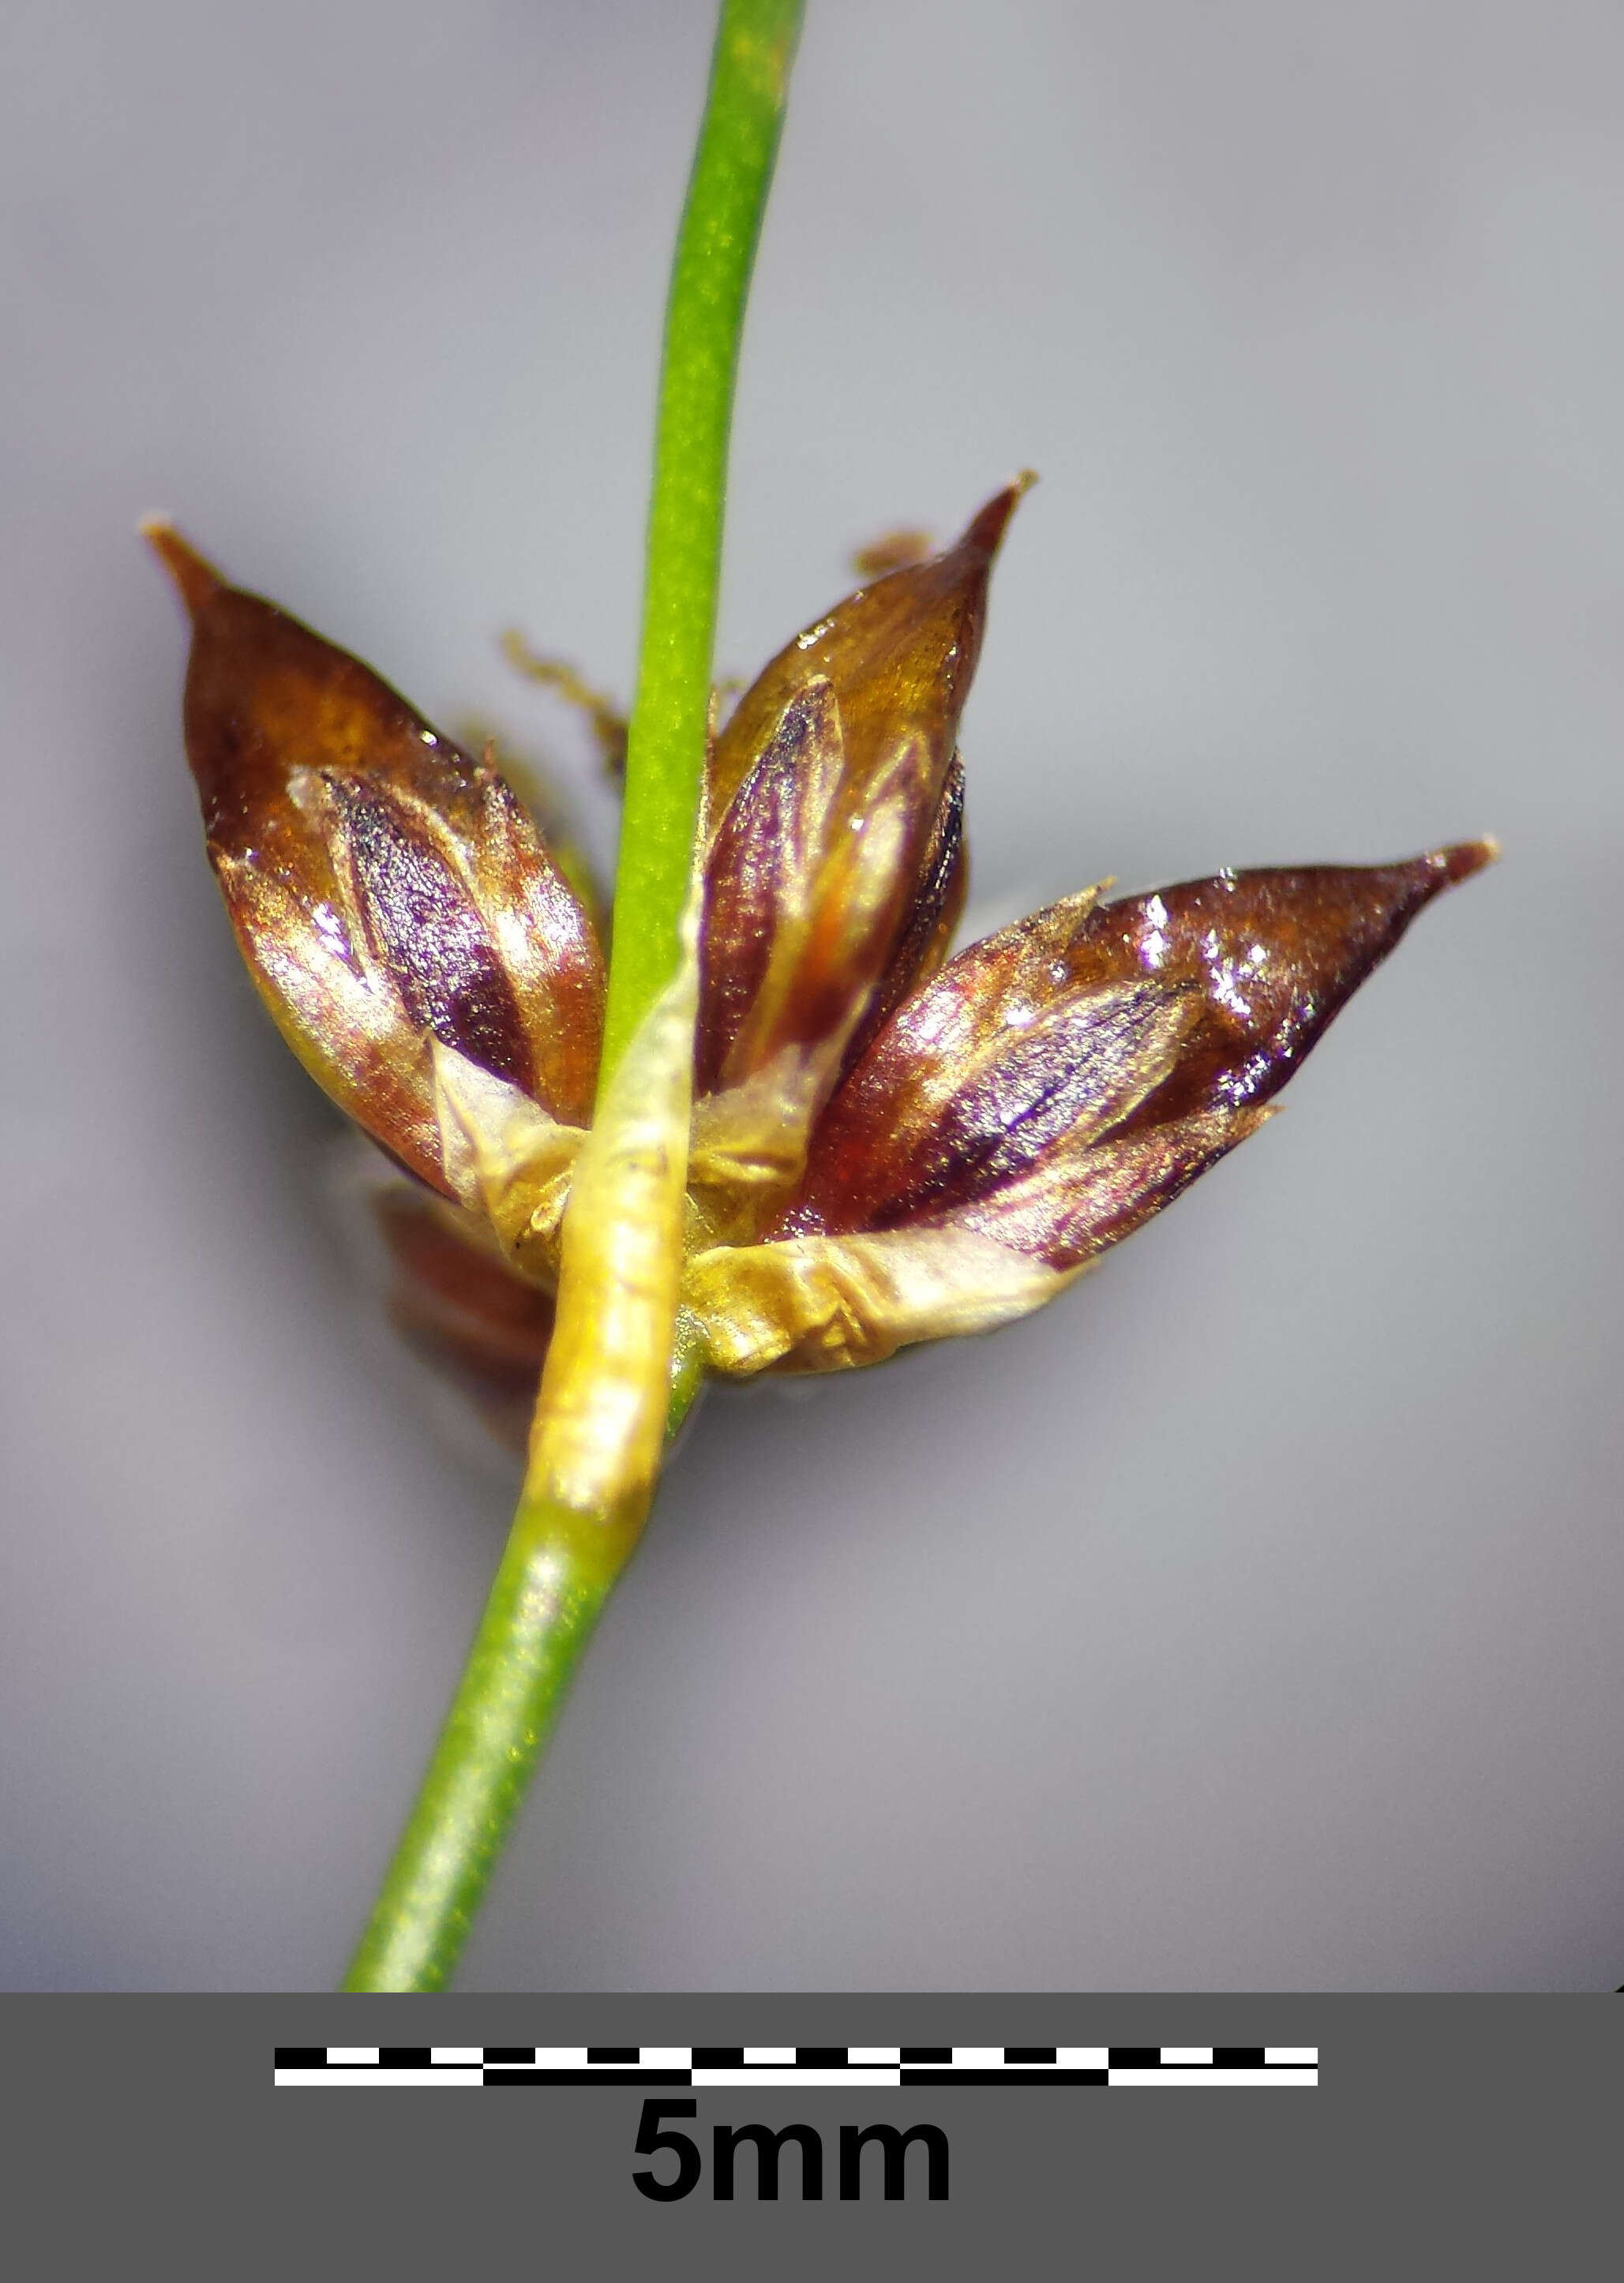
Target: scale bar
point(717, 2068)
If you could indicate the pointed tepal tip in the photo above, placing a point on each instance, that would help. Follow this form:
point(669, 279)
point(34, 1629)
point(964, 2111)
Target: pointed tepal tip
point(1464, 858)
point(195, 579)
point(986, 528)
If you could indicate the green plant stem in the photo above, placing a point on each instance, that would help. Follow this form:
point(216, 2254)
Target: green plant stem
point(559, 1564)
point(715, 250)
point(548, 1594)
point(542, 1608)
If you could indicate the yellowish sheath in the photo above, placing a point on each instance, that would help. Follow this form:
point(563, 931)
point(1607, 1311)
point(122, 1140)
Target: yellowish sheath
point(600, 1424)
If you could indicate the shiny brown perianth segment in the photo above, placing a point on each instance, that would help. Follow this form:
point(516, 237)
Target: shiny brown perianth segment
point(899, 654)
point(385, 886)
point(458, 1305)
point(1273, 954)
point(993, 1068)
point(894, 661)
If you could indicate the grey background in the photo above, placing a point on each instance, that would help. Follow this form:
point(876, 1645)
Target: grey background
point(1479, 2134)
point(1251, 1618)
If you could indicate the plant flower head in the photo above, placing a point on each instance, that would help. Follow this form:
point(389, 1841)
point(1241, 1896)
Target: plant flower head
point(887, 1145)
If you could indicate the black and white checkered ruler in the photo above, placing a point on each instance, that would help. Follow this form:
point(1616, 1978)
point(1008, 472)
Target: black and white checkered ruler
point(707, 2067)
